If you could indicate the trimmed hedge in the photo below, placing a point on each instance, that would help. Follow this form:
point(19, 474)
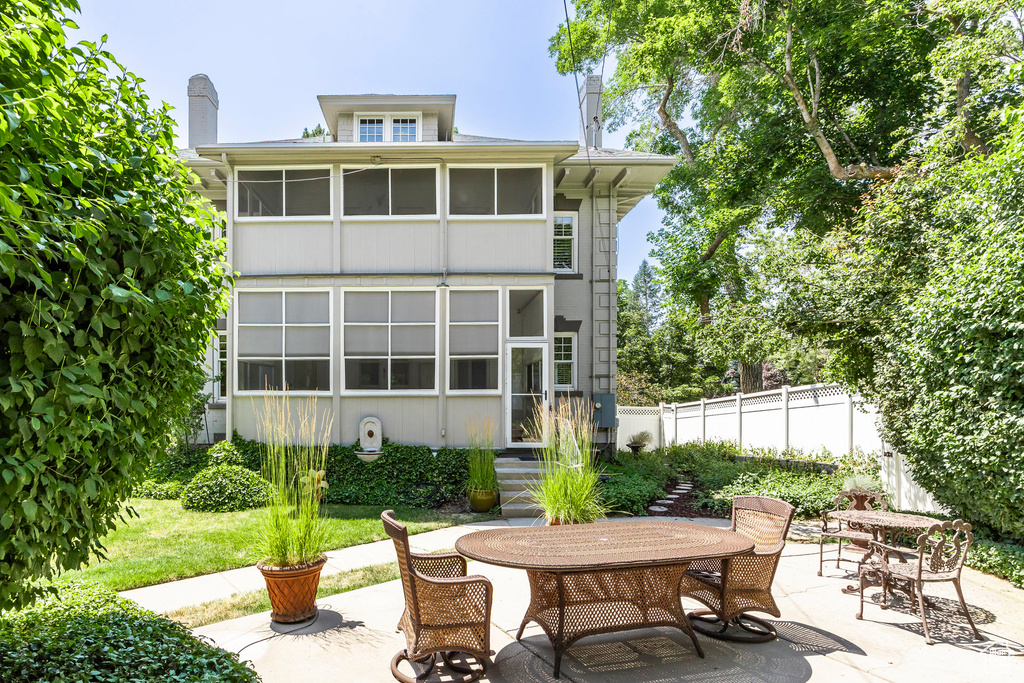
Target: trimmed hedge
point(225, 453)
point(383, 481)
point(88, 633)
point(1005, 560)
point(225, 488)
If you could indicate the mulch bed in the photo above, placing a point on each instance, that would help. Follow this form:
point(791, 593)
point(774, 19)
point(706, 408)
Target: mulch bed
point(683, 506)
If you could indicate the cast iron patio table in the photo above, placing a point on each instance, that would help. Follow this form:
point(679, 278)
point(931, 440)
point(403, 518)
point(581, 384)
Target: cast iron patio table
point(587, 579)
point(878, 522)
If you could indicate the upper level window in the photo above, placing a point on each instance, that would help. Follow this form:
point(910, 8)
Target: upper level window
point(390, 192)
point(565, 242)
point(284, 192)
point(496, 191)
point(371, 129)
point(388, 127)
point(403, 130)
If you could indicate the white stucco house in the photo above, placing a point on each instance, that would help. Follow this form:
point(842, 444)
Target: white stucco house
point(398, 269)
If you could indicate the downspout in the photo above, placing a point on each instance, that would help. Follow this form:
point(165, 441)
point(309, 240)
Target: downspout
point(442, 349)
point(229, 236)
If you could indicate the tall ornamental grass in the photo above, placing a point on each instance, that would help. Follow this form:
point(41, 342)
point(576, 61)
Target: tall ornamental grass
point(480, 455)
point(293, 531)
point(567, 490)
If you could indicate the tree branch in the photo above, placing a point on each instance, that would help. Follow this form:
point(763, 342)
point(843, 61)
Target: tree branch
point(671, 124)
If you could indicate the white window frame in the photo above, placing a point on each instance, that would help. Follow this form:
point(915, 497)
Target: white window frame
point(573, 362)
point(499, 391)
point(221, 357)
point(544, 182)
point(436, 216)
point(345, 391)
point(508, 308)
point(575, 216)
point(388, 125)
point(284, 326)
point(285, 219)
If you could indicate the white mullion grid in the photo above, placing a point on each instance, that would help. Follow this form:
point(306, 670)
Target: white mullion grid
point(239, 325)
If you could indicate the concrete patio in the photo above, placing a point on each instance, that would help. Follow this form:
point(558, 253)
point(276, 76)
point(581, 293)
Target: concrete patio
point(354, 636)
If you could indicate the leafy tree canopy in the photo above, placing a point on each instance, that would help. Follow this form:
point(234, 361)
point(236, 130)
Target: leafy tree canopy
point(110, 283)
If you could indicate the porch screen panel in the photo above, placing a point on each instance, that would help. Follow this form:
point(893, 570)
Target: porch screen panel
point(284, 341)
point(390, 341)
point(473, 340)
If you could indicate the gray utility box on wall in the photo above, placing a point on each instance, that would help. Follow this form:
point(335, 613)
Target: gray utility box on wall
point(604, 416)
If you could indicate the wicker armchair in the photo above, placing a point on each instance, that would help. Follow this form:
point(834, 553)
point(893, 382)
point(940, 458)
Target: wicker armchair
point(446, 611)
point(941, 551)
point(855, 499)
point(733, 587)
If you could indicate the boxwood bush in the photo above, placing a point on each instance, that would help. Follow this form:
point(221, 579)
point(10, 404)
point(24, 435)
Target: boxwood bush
point(88, 633)
point(225, 453)
point(225, 488)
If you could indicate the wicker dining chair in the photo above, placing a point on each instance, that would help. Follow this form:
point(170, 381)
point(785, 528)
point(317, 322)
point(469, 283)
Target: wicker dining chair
point(856, 499)
point(941, 551)
point(446, 612)
point(732, 588)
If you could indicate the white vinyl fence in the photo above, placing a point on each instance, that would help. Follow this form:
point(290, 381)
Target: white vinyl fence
point(808, 418)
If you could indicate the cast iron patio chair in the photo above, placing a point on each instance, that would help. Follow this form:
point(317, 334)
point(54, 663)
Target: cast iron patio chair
point(941, 551)
point(445, 612)
point(734, 587)
point(857, 499)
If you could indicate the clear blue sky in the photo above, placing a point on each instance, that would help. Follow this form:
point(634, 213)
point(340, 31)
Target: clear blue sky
point(270, 59)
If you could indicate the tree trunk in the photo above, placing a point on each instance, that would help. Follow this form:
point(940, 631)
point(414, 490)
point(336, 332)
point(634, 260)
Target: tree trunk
point(751, 377)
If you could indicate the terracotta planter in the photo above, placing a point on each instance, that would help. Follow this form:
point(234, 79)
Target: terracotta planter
point(293, 590)
point(482, 501)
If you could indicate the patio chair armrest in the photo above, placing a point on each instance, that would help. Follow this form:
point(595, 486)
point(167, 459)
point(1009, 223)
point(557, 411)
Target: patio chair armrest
point(439, 565)
point(455, 600)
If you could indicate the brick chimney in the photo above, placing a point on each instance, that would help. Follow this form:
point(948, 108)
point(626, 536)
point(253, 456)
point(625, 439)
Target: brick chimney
point(202, 111)
point(590, 104)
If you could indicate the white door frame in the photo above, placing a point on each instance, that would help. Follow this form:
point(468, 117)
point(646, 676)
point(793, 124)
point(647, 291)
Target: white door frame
point(507, 389)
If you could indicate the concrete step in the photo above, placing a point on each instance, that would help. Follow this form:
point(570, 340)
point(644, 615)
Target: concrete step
point(518, 509)
point(516, 485)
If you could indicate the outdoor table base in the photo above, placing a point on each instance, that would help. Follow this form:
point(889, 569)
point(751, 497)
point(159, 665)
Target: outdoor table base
point(572, 605)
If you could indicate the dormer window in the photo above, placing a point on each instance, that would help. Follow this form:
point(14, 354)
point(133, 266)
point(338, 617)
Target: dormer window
point(371, 129)
point(388, 127)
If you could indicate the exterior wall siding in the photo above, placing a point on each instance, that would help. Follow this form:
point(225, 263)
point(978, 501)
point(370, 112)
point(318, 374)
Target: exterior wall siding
point(345, 132)
point(499, 246)
point(283, 248)
point(429, 133)
point(391, 247)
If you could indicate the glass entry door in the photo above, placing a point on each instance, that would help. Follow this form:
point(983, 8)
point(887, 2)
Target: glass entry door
point(525, 392)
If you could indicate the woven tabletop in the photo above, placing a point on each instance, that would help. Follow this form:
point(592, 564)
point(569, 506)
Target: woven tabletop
point(884, 518)
point(579, 547)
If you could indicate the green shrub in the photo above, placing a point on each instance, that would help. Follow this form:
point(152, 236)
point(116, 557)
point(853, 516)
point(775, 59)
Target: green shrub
point(251, 451)
point(808, 492)
point(225, 453)
point(167, 490)
point(180, 464)
point(630, 492)
point(88, 633)
point(225, 488)
point(1005, 560)
point(382, 481)
point(110, 282)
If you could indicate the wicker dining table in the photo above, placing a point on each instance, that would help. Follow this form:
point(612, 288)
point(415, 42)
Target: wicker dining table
point(587, 579)
point(879, 523)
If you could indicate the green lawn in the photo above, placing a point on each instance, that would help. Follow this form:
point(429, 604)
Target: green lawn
point(166, 542)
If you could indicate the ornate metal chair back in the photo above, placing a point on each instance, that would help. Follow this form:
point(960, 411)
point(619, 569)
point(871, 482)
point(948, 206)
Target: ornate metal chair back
point(861, 499)
point(943, 547)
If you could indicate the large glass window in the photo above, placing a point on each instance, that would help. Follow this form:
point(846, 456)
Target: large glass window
point(389, 341)
point(526, 312)
point(473, 340)
point(284, 340)
point(390, 191)
point(565, 243)
point(496, 191)
point(291, 192)
point(403, 130)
